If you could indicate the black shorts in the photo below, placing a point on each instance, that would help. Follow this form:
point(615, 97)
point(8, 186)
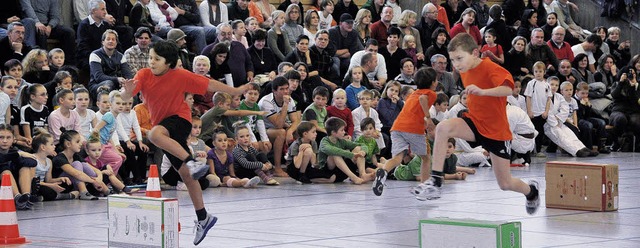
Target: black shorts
point(498, 147)
point(310, 172)
point(179, 130)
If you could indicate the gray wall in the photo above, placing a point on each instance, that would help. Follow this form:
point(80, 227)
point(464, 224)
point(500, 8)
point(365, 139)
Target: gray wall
point(589, 17)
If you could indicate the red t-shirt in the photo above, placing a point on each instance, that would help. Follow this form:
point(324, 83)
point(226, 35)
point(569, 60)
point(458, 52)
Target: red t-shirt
point(497, 49)
point(164, 95)
point(488, 113)
point(411, 117)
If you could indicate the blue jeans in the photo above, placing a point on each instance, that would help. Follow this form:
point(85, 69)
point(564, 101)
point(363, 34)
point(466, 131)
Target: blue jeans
point(29, 32)
point(196, 34)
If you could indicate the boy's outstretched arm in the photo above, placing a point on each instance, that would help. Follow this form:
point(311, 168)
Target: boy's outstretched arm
point(129, 85)
point(215, 86)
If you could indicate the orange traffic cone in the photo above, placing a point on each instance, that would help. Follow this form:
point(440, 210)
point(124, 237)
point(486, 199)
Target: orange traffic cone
point(153, 183)
point(9, 233)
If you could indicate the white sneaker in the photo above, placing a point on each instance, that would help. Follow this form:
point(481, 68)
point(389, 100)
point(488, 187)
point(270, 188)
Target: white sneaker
point(202, 227)
point(426, 191)
point(252, 182)
point(518, 161)
point(181, 186)
point(378, 182)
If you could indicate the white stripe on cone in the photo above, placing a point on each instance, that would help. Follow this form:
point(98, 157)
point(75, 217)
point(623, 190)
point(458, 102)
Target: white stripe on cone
point(6, 193)
point(8, 218)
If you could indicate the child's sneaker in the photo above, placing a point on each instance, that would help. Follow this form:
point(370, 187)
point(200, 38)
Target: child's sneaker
point(426, 191)
point(181, 186)
point(87, 196)
point(202, 227)
point(378, 181)
point(252, 182)
point(532, 205)
point(22, 202)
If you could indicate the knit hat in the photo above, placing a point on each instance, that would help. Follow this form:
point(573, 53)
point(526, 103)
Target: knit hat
point(175, 34)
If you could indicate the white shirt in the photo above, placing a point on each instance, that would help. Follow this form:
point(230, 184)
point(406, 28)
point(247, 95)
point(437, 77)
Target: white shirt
point(158, 17)
point(204, 13)
point(324, 22)
point(578, 49)
point(520, 102)
point(380, 70)
point(268, 104)
point(435, 114)
point(130, 124)
point(312, 37)
point(5, 103)
point(359, 114)
point(539, 91)
point(85, 122)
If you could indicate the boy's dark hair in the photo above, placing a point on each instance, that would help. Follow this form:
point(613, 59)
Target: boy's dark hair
point(366, 122)
point(254, 86)
point(278, 81)
point(452, 141)
point(333, 124)
point(293, 74)
point(320, 91)
point(425, 77)
point(464, 42)
point(492, 32)
point(10, 64)
point(304, 127)
point(595, 39)
point(39, 140)
point(168, 50)
point(441, 98)
point(324, 3)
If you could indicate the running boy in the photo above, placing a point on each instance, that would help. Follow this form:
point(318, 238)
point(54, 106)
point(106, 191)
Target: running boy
point(406, 133)
point(487, 85)
point(164, 87)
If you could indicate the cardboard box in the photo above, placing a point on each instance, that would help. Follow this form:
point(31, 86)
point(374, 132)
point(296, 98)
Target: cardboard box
point(139, 221)
point(582, 186)
point(445, 232)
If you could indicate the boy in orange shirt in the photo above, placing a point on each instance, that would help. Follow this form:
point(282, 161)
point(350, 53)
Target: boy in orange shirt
point(406, 133)
point(164, 87)
point(487, 85)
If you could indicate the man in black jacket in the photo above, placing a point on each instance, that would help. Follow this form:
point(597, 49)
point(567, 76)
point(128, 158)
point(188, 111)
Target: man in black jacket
point(189, 21)
point(13, 46)
point(11, 11)
point(90, 30)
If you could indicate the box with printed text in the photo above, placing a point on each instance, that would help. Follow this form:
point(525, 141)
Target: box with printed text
point(582, 186)
point(138, 221)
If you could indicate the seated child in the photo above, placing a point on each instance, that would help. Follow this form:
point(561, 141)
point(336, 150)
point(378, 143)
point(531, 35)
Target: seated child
point(19, 165)
point(220, 162)
point(339, 109)
point(516, 99)
point(223, 116)
point(523, 135)
point(340, 156)
point(461, 105)
point(255, 122)
point(368, 144)
point(557, 131)
point(355, 87)
point(405, 92)
point(316, 113)
point(301, 156)
point(199, 150)
point(94, 152)
point(589, 121)
point(389, 105)
point(365, 110)
point(451, 170)
point(249, 162)
point(59, 188)
point(440, 108)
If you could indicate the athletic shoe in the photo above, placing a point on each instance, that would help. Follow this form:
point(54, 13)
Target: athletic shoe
point(252, 182)
point(518, 161)
point(22, 202)
point(202, 227)
point(378, 182)
point(532, 205)
point(426, 191)
point(584, 152)
point(181, 186)
point(87, 196)
point(198, 169)
point(304, 180)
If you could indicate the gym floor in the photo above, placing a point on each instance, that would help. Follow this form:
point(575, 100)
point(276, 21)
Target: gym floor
point(345, 215)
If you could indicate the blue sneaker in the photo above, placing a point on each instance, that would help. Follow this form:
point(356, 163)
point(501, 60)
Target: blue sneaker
point(202, 227)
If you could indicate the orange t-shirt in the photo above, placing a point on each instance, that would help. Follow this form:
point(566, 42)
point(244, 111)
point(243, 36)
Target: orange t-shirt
point(164, 95)
point(488, 113)
point(411, 117)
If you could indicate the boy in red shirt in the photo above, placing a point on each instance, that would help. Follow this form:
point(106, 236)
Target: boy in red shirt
point(406, 133)
point(487, 85)
point(164, 88)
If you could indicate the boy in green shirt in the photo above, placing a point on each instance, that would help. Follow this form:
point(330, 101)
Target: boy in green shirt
point(316, 113)
point(369, 143)
point(255, 122)
point(334, 149)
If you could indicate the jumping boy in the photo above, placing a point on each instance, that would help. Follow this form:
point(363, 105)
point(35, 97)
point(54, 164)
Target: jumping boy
point(164, 87)
point(487, 85)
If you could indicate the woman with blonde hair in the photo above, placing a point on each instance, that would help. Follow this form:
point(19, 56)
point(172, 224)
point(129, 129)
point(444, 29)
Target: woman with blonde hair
point(361, 25)
point(36, 67)
point(406, 23)
point(277, 37)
